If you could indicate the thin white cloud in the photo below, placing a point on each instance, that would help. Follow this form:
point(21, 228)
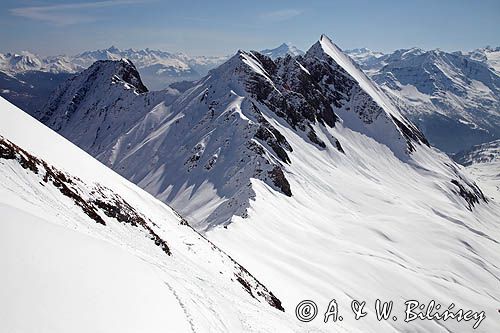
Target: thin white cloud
point(66, 14)
point(280, 15)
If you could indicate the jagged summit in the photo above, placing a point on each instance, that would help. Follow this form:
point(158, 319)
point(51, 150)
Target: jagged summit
point(123, 71)
point(97, 104)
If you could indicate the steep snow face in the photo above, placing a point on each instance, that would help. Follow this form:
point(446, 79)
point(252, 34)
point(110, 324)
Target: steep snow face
point(105, 100)
point(437, 90)
point(204, 148)
point(364, 223)
point(380, 117)
point(282, 50)
point(373, 212)
point(56, 202)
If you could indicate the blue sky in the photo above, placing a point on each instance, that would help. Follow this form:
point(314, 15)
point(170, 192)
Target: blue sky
point(221, 27)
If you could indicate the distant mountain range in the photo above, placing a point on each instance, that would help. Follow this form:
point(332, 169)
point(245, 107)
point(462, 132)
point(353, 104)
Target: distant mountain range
point(282, 50)
point(453, 97)
point(158, 68)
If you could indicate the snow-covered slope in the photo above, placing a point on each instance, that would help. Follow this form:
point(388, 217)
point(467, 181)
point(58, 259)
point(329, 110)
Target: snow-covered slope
point(282, 50)
point(99, 104)
point(483, 164)
point(305, 170)
point(207, 145)
point(452, 97)
point(83, 249)
point(363, 225)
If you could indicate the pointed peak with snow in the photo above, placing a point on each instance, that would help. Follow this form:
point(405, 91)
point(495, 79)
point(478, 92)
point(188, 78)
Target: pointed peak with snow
point(119, 71)
point(282, 50)
point(327, 51)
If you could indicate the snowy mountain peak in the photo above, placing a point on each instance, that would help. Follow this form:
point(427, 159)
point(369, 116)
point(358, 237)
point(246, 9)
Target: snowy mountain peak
point(121, 72)
point(489, 55)
point(439, 89)
point(113, 48)
point(106, 98)
point(376, 110)
point(282, 50)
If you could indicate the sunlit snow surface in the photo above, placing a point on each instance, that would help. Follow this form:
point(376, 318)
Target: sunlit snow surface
point(63, 272)
point(375, 222)
point(366, 226)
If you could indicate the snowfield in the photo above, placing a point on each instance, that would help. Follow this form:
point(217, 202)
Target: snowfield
point(132, 266)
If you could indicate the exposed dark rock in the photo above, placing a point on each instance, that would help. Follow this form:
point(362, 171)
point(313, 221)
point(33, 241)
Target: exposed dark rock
point(101, 200)
point(280, 181)
point(292, 94)
point(8, 150)
point(339, 146)
point(472, 194)
point(314, 138)
point(412, 134)
point(265, 135)
point(129, 74)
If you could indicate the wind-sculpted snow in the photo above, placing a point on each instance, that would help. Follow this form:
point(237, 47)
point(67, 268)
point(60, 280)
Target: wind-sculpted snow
point(42, 197)
point(305, 170)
